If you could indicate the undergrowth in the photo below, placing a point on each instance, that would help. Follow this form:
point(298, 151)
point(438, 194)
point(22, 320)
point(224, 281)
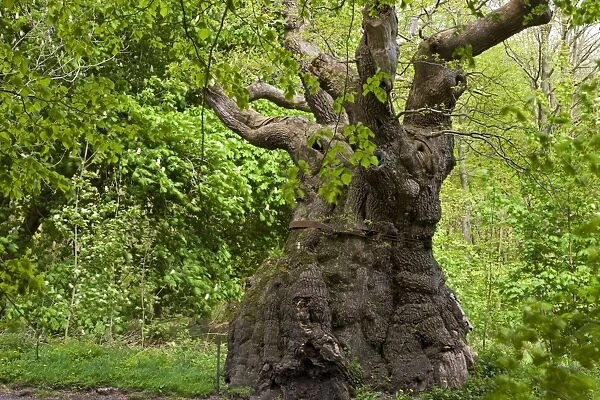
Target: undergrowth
point(188, 368)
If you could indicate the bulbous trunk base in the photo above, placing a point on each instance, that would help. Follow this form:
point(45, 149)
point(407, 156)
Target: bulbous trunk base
point(337, 311)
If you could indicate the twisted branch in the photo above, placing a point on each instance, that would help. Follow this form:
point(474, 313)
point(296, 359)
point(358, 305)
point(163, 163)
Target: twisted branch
point(262, 90)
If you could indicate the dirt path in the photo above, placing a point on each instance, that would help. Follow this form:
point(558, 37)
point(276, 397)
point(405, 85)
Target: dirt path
point(91, 394)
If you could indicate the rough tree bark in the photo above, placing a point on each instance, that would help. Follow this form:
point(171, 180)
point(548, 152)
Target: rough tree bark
point(357, 294)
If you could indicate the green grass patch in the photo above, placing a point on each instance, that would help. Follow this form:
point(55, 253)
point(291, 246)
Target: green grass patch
point(185, 369)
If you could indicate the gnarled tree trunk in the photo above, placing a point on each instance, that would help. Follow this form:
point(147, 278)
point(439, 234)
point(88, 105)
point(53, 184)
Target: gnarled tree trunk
point(358, 295)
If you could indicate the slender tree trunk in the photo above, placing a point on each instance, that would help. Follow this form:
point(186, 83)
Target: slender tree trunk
point(545, 81)
point(143, 296)
point(76, 244)
point(464, 184)
point(71, 310)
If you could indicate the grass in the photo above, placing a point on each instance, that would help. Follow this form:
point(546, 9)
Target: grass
point(188, 369)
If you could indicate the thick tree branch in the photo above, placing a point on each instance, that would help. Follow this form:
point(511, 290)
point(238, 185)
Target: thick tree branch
point(266, 132)
point(378, 53)
point(321, 103)
point(288, 133)
point(437, 86)
point(331, 74)
point(329, 71)
point(294, 27)
point(485, 33)
point(378, 44)
point(262, 90)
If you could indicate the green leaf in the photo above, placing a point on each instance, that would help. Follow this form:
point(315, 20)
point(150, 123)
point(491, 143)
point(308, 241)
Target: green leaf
point(346, 177)
point(380, 94)
point(203, 33)
point(164, 9)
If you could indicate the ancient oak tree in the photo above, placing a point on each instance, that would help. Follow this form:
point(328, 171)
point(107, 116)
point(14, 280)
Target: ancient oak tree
point(357, 293)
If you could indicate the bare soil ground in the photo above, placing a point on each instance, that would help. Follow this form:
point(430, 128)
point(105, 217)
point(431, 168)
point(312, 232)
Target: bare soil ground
point(7, 393)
